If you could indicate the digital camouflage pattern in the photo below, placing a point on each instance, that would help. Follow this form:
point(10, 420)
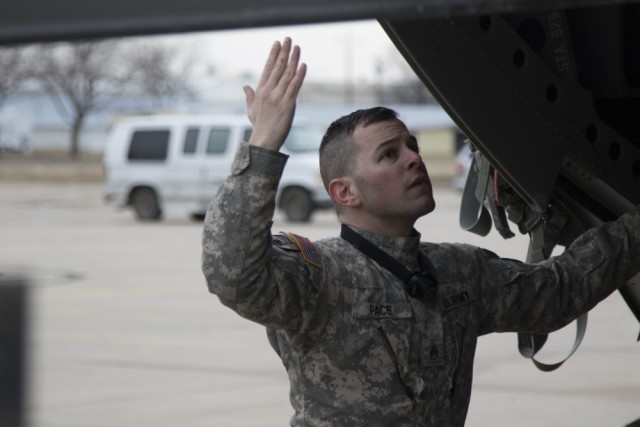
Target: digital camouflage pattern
point(358, 350)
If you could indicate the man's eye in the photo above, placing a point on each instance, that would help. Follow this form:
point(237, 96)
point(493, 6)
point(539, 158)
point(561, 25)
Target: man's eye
point(389, 154)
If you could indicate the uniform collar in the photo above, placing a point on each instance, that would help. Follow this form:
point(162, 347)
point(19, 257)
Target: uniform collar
point(404, 249)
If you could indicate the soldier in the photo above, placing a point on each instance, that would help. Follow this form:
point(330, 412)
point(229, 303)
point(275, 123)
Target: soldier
point(376, 327)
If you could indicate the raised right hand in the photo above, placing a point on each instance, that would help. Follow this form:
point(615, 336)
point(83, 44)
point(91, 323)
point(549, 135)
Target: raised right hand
point(271, 107)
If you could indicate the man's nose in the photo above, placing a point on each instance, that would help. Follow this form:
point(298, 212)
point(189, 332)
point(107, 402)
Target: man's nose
point(413, 158)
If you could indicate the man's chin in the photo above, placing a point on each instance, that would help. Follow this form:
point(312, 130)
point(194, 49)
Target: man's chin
point(429, 205)
point(427, 209)
point(432, 207)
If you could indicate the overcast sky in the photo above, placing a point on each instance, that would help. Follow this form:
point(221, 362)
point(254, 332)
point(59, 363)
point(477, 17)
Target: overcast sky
point(333, 52)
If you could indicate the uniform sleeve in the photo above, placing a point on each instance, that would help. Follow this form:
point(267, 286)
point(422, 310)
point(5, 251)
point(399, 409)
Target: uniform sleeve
point(248, 274)
point(543, 297)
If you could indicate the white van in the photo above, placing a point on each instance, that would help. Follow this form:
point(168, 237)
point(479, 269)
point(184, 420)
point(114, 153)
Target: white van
point(158, 162)
point(15, 132)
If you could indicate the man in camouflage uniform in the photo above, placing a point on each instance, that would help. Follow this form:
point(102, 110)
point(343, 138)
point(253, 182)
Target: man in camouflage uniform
point(358, 349)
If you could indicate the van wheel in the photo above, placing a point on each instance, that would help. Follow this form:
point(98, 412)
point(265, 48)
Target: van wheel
point(145, 203)
point(296, 204)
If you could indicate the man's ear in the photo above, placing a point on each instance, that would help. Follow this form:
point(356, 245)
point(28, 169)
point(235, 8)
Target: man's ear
point(344, 192)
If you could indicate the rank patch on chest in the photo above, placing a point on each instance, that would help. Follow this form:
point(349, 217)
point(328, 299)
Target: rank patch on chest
point(308, 250)
point(433, 352)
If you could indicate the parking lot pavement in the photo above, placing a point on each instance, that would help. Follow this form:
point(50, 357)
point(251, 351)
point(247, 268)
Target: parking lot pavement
point(124, 333)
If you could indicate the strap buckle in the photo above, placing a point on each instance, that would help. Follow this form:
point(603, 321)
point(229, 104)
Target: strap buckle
point(421, 285)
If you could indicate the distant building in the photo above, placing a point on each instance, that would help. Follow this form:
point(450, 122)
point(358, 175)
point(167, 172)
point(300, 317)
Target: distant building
point(435, 131)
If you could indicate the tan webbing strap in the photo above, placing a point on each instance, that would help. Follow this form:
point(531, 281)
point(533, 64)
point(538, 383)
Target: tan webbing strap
point(529, 344)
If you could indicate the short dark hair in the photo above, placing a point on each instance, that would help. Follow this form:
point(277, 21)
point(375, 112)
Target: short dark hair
point(337, 146)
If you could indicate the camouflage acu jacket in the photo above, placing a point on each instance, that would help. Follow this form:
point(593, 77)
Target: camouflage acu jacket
point(358, 350)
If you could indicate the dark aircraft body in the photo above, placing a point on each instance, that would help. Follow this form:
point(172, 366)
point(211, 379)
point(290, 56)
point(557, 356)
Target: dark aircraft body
point(548, 92)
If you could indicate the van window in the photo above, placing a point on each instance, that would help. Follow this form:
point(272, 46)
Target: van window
point(301, 139)
point(149, 145)
point(191, 141)
point(218, 140)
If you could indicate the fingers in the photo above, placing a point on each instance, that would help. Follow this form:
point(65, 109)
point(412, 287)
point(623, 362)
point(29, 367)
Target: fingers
point(281, 68)
point(291, 70)
point(281, 63)
point(250, 97)
point(271, 106)
point(268, 66)
point(296, 82)
point(249, 94)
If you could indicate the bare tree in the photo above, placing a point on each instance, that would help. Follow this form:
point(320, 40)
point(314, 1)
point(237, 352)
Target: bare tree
point(408, 91)
point(13, 72)
point(398, 83)
point(77, 76)
point(159, 72)
point(85, 77)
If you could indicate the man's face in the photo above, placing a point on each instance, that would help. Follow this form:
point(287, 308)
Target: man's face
point(389, 173)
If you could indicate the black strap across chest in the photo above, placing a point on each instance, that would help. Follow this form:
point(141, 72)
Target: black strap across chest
point(418, 284)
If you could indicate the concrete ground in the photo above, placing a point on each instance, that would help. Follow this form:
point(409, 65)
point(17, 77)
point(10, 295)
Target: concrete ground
point(123, 332)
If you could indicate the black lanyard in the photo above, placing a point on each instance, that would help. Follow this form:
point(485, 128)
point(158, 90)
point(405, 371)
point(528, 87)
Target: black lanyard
point(418, 284)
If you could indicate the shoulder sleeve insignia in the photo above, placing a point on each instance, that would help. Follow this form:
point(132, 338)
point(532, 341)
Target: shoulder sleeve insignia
point(284, 242)
point(307, 249)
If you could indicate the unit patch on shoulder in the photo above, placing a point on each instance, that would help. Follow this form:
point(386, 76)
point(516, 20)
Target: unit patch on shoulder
point(307, 249)
point(284, 242)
